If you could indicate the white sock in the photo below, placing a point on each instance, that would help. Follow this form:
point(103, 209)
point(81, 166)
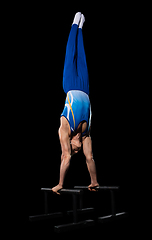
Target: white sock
point(82, 21)
point(77, 18)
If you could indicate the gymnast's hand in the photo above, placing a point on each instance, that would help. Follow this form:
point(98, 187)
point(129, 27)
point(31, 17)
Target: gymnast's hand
point(56, 189)
point(93, 188)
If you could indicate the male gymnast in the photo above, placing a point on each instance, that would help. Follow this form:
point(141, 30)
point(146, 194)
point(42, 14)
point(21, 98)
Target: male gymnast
point(75, 121)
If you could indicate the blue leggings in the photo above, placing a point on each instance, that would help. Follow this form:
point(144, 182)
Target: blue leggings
point(75, 73)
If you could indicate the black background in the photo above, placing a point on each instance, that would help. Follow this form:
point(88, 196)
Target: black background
point(109, 40)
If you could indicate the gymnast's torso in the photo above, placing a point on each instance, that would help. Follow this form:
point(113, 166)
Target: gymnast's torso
point(77, 109)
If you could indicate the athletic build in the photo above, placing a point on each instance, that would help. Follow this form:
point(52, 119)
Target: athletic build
point(75, 121)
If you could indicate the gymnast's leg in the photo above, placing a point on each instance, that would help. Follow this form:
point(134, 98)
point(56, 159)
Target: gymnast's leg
point(82, 69)
point(70, 71)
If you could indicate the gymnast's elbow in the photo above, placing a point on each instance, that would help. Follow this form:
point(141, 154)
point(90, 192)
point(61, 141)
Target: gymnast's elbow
point(66, 158)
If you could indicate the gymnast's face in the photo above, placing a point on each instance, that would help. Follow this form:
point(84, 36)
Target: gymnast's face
point(76, 143)
point(75, 146)
point(74, 149)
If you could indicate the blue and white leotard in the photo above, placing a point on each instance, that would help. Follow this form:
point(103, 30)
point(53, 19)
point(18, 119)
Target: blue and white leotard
point(76, 82)
point(77, 109)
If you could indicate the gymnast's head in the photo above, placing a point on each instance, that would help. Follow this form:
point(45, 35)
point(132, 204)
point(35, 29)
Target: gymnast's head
point(74, 149)
point(75, 144)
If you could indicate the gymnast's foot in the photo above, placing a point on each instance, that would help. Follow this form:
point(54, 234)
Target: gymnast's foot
point(93, 187)
point(77, 18)
point(56, 189)
point(82, 21)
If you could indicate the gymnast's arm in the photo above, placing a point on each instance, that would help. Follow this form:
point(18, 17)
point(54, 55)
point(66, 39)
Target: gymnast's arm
point(65, 144)
point(65, 157)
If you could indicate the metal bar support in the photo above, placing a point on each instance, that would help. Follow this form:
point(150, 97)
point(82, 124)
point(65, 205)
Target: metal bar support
point(46, 202)
point(113, 203)
point(75, 215)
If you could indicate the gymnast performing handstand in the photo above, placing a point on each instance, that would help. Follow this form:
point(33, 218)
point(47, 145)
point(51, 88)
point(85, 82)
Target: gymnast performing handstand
point(75, 121)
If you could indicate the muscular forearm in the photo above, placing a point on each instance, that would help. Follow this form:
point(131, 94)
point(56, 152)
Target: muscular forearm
point(65, 163)
point(92, 170)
